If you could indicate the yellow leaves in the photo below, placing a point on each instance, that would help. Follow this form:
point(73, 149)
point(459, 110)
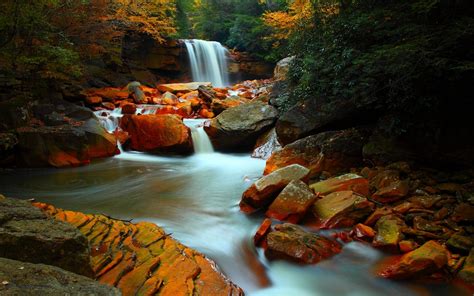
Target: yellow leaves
point(284, 23)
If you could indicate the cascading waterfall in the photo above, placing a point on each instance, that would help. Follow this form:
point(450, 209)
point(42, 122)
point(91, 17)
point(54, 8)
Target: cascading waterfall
point(208, 61)
point(202, 144)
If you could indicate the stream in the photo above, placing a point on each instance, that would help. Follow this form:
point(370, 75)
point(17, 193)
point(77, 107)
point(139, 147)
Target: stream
point(196, 199)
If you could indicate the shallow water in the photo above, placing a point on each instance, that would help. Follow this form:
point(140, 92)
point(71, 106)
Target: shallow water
point(196, 199)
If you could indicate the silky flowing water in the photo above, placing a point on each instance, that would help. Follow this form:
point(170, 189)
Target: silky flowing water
point(196, 199)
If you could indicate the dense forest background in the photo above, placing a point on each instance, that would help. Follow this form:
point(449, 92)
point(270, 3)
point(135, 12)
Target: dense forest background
point(410, 59)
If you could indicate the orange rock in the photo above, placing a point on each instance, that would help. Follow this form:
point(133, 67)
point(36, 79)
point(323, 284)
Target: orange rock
point(363, 232)
point(205, 113)
point(129, 108)
point(141, 259)
point(157, 133)
point(352, 182)
point(262, 231)
point(94, 100)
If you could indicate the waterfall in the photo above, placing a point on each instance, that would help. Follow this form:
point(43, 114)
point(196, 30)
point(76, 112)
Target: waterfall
point(208, 61)
point(202, 143)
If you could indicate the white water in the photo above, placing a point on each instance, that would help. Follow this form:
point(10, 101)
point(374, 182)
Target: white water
point(208, 61)
point(201, 142)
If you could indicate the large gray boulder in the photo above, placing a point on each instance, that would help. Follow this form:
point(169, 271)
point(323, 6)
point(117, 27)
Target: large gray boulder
point(21, 278)
point(27, 234)
point(239, 127)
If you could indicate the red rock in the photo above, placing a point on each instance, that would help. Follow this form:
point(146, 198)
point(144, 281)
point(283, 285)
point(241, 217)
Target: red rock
point(129, 108)
point(292, 203)
point(363, 232)
point(393, 192)
point(352, 182)
point(183, 110)
point(181, 87)
point(375, 216)
point(220, 105)
point(383, 178)
point(205, 113)
point(290, 242)
point(407, 246)
point(157, 133)
point(109, 94)
point(425, 260)
point(264, 191)
point(341, 209)
point(262, 232)
point(108, 105)
point(463, 213)
point(389, 233)
point(95, 100)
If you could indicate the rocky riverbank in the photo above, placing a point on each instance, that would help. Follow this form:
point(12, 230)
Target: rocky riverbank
point(136, 258)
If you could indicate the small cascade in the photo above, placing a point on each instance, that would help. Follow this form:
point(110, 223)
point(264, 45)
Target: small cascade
point(208, 61)
point(202, 143)
point(109, 119)
point(147, 109)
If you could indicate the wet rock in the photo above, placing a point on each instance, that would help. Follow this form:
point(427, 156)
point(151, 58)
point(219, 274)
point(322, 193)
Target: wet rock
point(407, 246)
point(292, 203)
point(460, 243)
point(141, 259)
point(72, 144)
point(129, 108)
point(181, 87)
point(239, 127)
point(363, 232)
point(95, 100)
point(290, 242)
point(377, 214)
point(27, 234)
point(382, 178)
point(262, 232)
point(264, 191)
point(419, 223)
point(206, 93)
point(344, 182)
point(158, 133)
point(169, 99)
point(21, 278)
point(389, 233)
point(467, 272)
point(341, 209)
point(220, 105)
point(425, 201)
point(332, 151)
point(266, 145)
point(108, 94)
point(134, 88)
point(425, 260)
point(108, 105)
point(392, 192)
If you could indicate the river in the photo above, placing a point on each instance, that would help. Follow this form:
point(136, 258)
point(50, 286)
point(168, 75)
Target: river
point(196, 199)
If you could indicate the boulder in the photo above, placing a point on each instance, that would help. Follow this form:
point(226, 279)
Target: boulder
point(352, 182)
point(264, 191)
point(393, 192)
point(239, 127)
point(282, 68)
point(27, 234)
point(423, 261)
point(157, 133)
point(467, 272)
point(21, 278)
point(313, 116)
point(389, 233)
point(266, 144)
point(292, 203)
point(290, 242)
point(332, 151)
point(73, 144)
point(341, 209)
point(134, 88)
point(181, 87)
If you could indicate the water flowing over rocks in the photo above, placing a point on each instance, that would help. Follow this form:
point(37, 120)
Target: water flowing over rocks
point(22, 278)
point(239, 127)
point(141, 259)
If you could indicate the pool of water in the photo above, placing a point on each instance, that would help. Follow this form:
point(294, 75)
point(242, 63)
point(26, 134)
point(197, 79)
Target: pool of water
point(196, 199)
